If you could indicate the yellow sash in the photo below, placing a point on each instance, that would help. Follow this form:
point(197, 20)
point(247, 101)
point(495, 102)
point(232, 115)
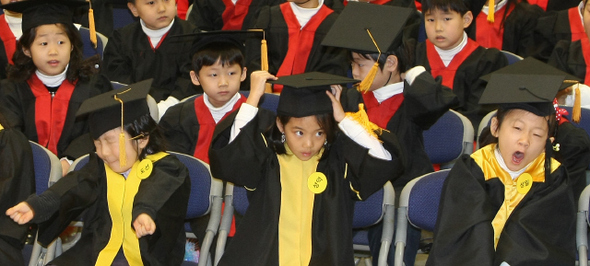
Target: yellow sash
point(486, 159)
point(120, 195)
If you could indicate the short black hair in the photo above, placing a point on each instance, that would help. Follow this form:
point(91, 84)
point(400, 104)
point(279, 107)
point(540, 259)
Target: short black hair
point(226, 53)
point(149, 128)
point(458, 6)
point(404, 54)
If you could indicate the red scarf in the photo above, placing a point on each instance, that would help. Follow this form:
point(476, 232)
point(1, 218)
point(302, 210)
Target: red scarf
point(233, 15)
point(300, 41)
point(160, 42)
point(576, 26)
point(437, 66)
point(50, 113)
point(380, 114)
point(586, 52)
point(489, 34)
point(207, 126)
point(7, 38)
point(541, 3)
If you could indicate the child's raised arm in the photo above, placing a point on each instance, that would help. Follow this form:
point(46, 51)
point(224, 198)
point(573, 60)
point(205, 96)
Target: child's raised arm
point(21, 213)
point(336, 105)
point(257, 86)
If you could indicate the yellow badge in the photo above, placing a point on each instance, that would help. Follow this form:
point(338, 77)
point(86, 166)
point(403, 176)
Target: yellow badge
point(144, 169)
point(317, 182)
point(524, 183)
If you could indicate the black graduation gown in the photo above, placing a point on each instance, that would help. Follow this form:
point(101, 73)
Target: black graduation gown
point(425, 101)
point(568, 57)
point(163, 196)
point(559, 4)
point(180, 127)
point(129, 58)
point(321, 58)
point(540, 230)
point(17, 182)
point(17, 103)
point(248, 162)
point(467, 84)
point(519, 26)
point(574, 154)
point(551, 28)
point(207, 14)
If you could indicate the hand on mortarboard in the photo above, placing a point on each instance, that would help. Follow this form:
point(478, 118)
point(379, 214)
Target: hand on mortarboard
point(336, 105)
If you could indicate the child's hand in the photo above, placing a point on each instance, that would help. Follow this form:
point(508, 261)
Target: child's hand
point(144, 225)
point(335, 97)
point(257, 86)
point(21, 213)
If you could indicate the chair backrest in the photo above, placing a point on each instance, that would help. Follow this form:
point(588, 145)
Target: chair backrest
point(584, 119)
point(122, 16)
point(47, 167)
point(79, 163)
point(512, 58)
point(269, 101)
point(88, 49)
point(370, 211)
point(449, 138)
point(421, 196)
point(240, 200)
point(486, 121)
point(582, 222)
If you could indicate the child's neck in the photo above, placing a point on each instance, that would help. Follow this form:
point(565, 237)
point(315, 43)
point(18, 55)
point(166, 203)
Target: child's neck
point(219, 112)
point(52, 81)
point(14, 23)
point(155, 36)
point(447, 55)
point(305, 12)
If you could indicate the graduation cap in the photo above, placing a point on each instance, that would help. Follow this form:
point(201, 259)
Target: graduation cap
point(474, 6)
point(305, 94)
point(237, 38)
point(42, 12)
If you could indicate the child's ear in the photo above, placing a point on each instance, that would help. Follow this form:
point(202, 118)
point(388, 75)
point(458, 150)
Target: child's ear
point(391, 64)
point(494, 127)
point(467, 19)
point(552, 139)
point(194, 78)
point(133, 9)
point(27, 52)
point(142, 143)
point(280, 126)
point(244, 74)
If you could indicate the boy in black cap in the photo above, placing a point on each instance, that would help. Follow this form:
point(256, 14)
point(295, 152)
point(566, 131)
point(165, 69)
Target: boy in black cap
point(404, 101)
point(132, 194)
point(510, 202)
point(303, 174)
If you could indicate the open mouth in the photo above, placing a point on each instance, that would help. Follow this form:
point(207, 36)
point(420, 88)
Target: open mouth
point(517, 157)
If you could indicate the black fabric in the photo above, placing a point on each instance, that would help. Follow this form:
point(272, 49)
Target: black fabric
point(3, 58)
point(17, 182)
point(540, 230)
point(180, 127)
point(518, 29)
point(467, 84)
point(17, 104)
point(206, 14)
point(574, 154)
point(129, 58)
point(42, 12)
point(163, 195)
point(561, 4)
point(568, 56)
point(551, 28)
point(248, 162)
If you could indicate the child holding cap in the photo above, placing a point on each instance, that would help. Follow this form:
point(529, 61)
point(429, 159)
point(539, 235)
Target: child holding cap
point(132, 194)
point(302, 172)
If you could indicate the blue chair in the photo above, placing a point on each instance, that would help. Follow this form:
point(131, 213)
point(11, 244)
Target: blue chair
point(88, 49)
point(236, 199)
point(486, 121)
point(379, 206)
point(582, 223)
point(584, 119)
point(449, 138)
point(122, 16)
point(418, 207)
point(512, 58)
point(269, 101)
point(47, 171)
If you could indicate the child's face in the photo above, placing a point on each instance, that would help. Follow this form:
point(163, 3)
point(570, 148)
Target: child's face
point(305, 3)
point(521, 137)
point(156, 14)
point(304, 136)
point(445, 29)
point(361, 67)
point(220, 83)
point(50, 50)
point(107, 149)
point(586, 17)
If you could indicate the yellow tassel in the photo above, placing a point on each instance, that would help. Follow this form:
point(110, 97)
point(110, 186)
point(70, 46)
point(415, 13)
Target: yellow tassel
point(122, 153)
point(492, 10)
point(264, 62)
point(576, 110)
point(92, 26)
point(362, 118)
point(366, 83)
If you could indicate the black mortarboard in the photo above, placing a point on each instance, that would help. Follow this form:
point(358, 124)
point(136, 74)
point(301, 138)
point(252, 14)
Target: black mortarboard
point(385, 24)
point(235, 37)
point(42, 12)
point(104, 110)
point(305, 94)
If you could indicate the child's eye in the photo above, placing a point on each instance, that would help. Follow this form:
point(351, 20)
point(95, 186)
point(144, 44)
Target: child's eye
point(319, 133)
point(43, 43)
point(61, 42)
point(448, 19)
point(517, 128)
point(151, 2)
point(299, 133)
point(430, 20)
point(537, 135)
point(213, 75)
point(232, 73)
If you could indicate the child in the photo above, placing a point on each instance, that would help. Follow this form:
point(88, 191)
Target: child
point(404, 101)
point(510, 203)
point(303, 175)
point(49, 79)
point(17, 182)
point(10, 31)
point(144, 50)
point(555, 26)
point(211, 15)
point(294, 31)
point(506, 25)
point(449, 53)
point(133, 195)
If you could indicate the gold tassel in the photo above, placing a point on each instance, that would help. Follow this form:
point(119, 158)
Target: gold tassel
point(362, 118)
point(366, 83)
point(491, 11)
point(576, 110)
point(92, 26)
point(122, 150)
point(264, 61)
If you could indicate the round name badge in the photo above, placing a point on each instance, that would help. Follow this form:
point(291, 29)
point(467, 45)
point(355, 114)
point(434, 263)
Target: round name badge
point(144, 169)
point(317, 182)
point(524, 183)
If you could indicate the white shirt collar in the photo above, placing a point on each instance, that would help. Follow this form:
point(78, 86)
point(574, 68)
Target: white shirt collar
point(303, 15)
point(52, 81)
point(447, 55)
point(155, 35)
point(219, 112)
point(388, 91)
point(15, 25)
point(580, 8)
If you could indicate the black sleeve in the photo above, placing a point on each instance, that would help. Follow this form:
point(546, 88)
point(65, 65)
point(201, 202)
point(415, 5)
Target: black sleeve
point(117, 60)
point(574, 154)
point(180, 128)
